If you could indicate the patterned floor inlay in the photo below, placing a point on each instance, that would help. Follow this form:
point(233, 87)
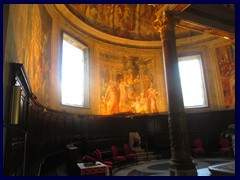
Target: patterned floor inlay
point(160, 167)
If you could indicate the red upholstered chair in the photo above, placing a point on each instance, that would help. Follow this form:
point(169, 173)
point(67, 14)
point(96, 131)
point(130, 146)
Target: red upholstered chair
point(198, 147)
point(119, 159)
point(225, 146)
point(98, 154)
point(130, 155)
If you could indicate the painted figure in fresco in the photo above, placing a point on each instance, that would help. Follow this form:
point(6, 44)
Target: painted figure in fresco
point(104, 87)
point(130, 84)
point(144, 103)
point(117, 17)
point(111, 98)
point(139, 105)
point(146, 82)
point(123, 100)
point(103, 108)
point(87, 13)
point(152, 97)
point(227, 71)
point(137, 87)
point(92, 14)
point(145, 20)
point(107, 16)
point(127, 18)
point(227, 92)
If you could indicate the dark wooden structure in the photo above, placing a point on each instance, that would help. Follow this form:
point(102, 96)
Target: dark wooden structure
point(49, 131)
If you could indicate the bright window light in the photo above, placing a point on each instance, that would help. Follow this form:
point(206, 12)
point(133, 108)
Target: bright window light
point(192, 81)
point(72, 75)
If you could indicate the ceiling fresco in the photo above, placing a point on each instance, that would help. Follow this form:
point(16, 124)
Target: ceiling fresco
point(131, 21)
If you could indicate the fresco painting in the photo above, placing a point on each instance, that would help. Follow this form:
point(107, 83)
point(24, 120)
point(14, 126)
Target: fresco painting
point(40, 48)
point(126, 84)
point(121, 20)
point(34, 39)
point(129, 87)
point(226, 62)
point(146, 18)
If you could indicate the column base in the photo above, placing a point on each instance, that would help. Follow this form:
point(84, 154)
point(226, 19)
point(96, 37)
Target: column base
point(182, 167)
point(187, 172)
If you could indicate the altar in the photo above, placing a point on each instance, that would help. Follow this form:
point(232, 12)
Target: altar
point(99, 169)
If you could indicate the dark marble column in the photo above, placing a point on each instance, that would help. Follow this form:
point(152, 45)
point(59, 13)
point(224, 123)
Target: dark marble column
point(181, 162)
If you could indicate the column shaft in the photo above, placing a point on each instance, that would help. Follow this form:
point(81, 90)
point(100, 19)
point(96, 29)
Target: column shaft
point(181, 162)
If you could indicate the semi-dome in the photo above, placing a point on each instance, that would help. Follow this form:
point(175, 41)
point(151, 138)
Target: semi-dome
point(135, 21)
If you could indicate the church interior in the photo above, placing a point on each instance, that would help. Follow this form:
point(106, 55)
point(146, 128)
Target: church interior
point(99, 89)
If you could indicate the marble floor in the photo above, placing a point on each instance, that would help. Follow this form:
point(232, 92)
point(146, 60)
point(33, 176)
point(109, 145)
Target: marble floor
point(160, 167)
point(152, 168)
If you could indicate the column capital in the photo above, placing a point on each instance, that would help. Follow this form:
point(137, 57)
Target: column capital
point(166, 21)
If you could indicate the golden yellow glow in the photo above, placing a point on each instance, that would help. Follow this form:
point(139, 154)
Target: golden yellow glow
point(225, 37)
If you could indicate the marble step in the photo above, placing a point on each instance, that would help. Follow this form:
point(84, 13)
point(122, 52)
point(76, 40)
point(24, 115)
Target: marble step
point(144, 156)
point(145, 153)
point(149, 157)
point(139, 150)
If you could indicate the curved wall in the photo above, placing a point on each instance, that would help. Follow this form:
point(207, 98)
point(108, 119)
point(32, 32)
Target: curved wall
point(34, 39)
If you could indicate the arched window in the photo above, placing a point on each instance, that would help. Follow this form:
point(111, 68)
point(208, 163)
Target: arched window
point(74, 73)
